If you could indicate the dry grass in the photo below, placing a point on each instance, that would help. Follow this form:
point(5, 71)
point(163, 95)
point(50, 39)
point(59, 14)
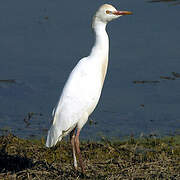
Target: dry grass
point(146, 158)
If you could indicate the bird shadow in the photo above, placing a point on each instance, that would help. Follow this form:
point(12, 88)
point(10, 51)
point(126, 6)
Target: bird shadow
point(13, 163)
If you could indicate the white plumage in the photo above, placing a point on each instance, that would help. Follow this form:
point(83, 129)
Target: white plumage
point(79, 98)
point(82, 90)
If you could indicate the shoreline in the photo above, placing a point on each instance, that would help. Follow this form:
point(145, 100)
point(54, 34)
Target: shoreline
point(143, 158)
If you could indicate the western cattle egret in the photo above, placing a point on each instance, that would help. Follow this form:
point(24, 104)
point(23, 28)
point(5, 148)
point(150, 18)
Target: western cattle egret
point(82, 90)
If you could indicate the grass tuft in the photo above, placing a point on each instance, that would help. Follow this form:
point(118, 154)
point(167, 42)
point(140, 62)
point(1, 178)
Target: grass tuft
point(144, 158)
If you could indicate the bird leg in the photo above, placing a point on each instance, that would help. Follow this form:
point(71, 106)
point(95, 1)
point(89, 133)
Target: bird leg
point(72, 139)
point(78, 150)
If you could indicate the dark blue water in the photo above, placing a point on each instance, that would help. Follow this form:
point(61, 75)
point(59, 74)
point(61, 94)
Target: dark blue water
point(41, 41)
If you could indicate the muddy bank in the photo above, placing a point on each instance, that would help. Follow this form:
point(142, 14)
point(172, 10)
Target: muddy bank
point(146, 158)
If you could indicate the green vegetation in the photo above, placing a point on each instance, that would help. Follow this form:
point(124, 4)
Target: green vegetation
point(145, 158)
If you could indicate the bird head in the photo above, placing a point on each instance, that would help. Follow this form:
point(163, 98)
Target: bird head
point(107, 13)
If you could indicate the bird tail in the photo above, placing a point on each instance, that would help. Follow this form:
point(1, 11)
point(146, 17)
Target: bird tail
point(54, 135)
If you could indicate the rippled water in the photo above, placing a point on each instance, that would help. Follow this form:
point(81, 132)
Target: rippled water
point(41, 41)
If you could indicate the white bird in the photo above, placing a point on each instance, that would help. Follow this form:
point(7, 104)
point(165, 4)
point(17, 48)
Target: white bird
point(83, 88)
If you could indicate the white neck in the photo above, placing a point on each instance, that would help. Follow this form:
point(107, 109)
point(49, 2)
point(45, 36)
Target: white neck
point(100, 50)
point(101, 46)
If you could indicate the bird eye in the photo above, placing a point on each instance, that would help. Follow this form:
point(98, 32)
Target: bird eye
point(108, 12)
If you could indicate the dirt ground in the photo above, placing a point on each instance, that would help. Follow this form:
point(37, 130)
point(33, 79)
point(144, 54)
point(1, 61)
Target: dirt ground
point(145, 158)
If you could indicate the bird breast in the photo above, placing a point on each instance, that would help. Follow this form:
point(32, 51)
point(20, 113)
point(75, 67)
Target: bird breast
point(104, 70)
point(85, 83)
